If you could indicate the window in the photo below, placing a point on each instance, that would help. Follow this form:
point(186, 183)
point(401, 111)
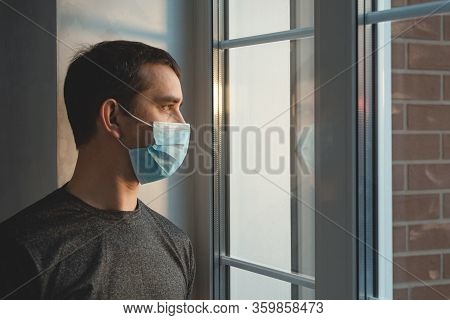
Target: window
point(265, 76)
point(354, 97)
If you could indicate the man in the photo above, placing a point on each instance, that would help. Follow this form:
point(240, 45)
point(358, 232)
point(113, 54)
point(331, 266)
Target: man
point(92, 238)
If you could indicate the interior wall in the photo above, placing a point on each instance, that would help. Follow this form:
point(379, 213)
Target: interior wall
point(28, 104)
point(203, 170)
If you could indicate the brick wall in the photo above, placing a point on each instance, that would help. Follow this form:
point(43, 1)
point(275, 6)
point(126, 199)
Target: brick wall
point(421, 156)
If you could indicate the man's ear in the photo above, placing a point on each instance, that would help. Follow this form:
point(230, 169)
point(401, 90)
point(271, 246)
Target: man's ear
point(109, 118)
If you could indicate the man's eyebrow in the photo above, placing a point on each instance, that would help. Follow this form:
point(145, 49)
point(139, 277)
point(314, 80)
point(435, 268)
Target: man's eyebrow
point(168, 99)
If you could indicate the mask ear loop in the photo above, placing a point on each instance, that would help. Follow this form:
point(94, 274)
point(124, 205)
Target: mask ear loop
point(132, 115)
point(144, 122)
point(120, 141)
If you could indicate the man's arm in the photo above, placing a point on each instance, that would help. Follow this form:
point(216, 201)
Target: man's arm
point(18, 272)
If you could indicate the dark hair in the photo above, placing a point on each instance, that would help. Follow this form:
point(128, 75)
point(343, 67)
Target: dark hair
point(108, 69)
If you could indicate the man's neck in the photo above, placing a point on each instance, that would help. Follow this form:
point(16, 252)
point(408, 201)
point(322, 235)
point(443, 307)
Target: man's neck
point(100, 186)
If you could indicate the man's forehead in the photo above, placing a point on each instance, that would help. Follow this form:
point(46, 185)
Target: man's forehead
point(158, 73)
point(163, 83)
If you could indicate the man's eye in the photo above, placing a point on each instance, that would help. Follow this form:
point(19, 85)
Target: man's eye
point(166, 107)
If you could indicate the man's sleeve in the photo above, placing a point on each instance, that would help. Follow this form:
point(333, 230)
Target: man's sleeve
point(192, 267)
point(18, 272)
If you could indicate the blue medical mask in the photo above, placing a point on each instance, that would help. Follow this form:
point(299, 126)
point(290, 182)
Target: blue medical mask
point(165, 155)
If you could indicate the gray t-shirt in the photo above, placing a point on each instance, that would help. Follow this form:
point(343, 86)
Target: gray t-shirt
point(60, 247)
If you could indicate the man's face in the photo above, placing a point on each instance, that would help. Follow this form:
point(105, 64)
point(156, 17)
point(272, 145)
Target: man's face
point(160, 102)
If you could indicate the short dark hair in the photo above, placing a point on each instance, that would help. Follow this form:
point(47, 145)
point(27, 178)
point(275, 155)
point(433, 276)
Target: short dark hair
point(108, 69)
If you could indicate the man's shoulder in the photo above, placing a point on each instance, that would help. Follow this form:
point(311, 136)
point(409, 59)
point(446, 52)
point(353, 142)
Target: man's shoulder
point(185, 250)
point(167, 225)
point(24, 225)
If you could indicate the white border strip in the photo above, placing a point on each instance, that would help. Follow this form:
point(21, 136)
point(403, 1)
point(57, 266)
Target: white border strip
point(384, 136)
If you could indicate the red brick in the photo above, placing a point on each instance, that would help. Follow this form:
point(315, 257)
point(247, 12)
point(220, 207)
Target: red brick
point(428, 56)
point(428, 117)
point(417, 268)
point(447, 87)
point(446, 271)
point(417, 28)
point(446, 205)
point(429, 236)
point(415, 207)
point(398, 177)
point(446, 146)
point(428, 176)
point(415, 146)
point(399, 238)
point(400, 294)
point(398, 115)
point(410, 2)
point(398, 3)
point(435, 292)
point(446, 27)
point(416, 86)
point(398, 55)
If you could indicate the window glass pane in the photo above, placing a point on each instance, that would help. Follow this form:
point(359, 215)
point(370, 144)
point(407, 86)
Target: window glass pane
point(271, 88)
point(420, 107)
point(254, 17)
point(252, 286)
point(270, 113)
point(260, 202)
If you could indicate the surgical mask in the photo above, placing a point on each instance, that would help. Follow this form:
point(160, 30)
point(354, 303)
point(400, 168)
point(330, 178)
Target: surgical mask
point(165, 155)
